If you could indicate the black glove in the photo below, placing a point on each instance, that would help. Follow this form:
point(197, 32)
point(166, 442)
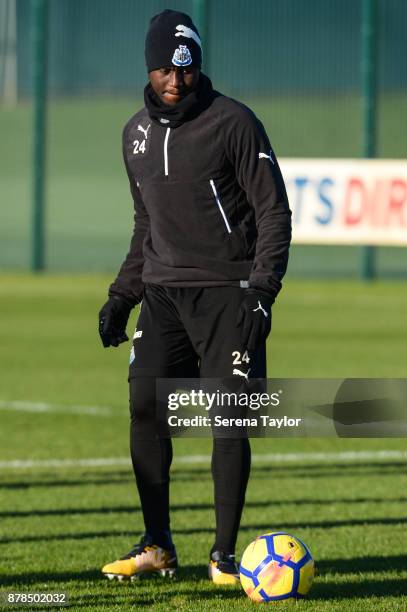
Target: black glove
point(113, 319)
point(254, 317)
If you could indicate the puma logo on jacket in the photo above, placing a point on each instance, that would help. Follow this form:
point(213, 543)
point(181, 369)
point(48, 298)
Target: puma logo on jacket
point(208, 210)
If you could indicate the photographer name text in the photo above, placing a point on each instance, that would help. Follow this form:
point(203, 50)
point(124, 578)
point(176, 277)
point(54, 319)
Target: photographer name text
point(219, 421)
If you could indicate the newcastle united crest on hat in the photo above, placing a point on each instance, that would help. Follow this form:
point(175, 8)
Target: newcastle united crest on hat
point(182, 56)
point(166, 31)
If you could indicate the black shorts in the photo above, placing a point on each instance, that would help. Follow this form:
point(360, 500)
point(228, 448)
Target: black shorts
point(190, 332)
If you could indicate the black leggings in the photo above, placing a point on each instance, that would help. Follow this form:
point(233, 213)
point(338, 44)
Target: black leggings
point(152, 455)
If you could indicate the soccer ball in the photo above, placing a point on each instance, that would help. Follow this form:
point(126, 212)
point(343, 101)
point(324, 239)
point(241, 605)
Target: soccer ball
point(276, 566)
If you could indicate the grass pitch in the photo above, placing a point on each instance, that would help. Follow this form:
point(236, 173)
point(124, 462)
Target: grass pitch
point(61, 522)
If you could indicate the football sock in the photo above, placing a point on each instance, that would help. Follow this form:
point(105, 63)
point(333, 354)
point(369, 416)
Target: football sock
point(230, 470)
point(151, 457)
point(151, 463)
point(163, 539)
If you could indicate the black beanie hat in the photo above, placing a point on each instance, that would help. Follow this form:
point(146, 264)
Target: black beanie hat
point(172, 40)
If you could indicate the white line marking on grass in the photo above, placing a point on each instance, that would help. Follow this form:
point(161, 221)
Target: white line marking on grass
point(330, 457)
point(345, 456)
point(21, 406)
point(63, 463)
point(317, 456)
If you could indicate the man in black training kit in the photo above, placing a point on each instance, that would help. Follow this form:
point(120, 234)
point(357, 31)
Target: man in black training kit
point(207, 256)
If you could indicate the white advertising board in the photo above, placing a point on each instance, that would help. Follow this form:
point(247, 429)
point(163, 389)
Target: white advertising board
point(352, 201)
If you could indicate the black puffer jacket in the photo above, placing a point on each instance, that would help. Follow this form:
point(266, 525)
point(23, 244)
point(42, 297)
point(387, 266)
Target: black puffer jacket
point(210, 203)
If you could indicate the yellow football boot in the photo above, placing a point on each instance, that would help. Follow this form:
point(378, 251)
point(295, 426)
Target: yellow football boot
point(144, 558)
point(223, 569)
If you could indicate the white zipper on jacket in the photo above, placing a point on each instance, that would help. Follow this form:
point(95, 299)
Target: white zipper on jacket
point(215, 193)
point(166, 151)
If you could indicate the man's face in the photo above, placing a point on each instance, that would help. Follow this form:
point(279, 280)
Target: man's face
point(173, 83)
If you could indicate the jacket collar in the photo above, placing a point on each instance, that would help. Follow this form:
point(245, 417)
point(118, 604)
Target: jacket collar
point(188, 108)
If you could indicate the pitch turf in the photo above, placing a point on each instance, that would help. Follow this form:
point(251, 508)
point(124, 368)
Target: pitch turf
point(59, 524)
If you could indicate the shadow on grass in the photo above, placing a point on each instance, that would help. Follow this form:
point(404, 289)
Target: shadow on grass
point(46, 577)
point(195, 530)
point(56, 482)
point(362, 564)
point(133, 596)
point(192, 474)
point(111, 601)
point(119, 593)
point(198, 507)
point(304, 525)
point(295, 467)
point(115, 593)
point(320, 592)
point(186, 572)
point(227, 595)
point(309, 472)
point(388, 587)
